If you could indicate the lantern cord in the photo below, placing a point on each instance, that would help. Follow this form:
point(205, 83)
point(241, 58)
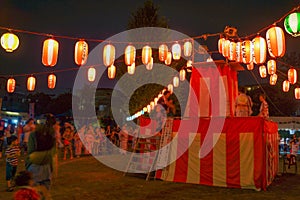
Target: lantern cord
point(251, 72)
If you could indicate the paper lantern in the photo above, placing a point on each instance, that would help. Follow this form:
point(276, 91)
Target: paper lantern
point(263, 71)
point(111, 72)
point(146, 54)
point(275, 41)
point(225, 48)
point(182, 75)
point(187, 49)
point(175, 81)
point(297, 93)
point(239, 52)
point(169, 58)
point(273, 79)
point(292, 76)
point(31, 83)
point(162, 52)
point(148, 108)
point(271, 64)
point(129, 54)
point(50, 52)
point(109, 53)
point(176, 51)
point(292, 24)
point(51, 81)
point(286, 86)
point(155, 100)
point(250, 66)
point(81, 52)
point(247, 51)
point(91, 74)
point(131, 69)
point(259, 50)
point(11, 85)
point(232, 51)
point(9, 42)
point(170, 88)
point(220, 45)
point(149, 66)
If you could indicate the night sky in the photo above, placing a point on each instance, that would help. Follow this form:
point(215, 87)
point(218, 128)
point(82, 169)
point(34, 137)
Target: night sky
point(94, 19)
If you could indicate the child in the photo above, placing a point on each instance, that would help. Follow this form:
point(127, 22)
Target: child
point(26, 191)
point(12, 152)
point(68, 137)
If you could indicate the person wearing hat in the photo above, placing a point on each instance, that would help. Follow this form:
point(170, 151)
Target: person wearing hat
point(12, 153)
point(41, 151)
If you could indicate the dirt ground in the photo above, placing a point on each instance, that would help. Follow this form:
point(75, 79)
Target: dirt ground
point(86, 178)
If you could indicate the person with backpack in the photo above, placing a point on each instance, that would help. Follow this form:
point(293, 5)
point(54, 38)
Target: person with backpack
point(41, 151)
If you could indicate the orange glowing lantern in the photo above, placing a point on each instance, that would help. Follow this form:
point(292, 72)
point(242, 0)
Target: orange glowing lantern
point(271, 64)
point(131, 69)
point(220, 45)
point(129, 55)
point(259, 50)
point(182, 75)
point(50, 52)
point(81, 52)
point(111, 72)
point(169, 58)
point(9, 42)
point(51, 81)
point(292, 76)
point(91, 74)
point(187, 49)
point(273, 79)
point(232, 51)
point(146, 54)
point(246, 51)
point(239, 52)
point(149, 66)
point(170, 88)
point(176, 81)
point(275, 41)
point(286, 86)
point(297, 93)
point(176, 51)
point(11, 85)
point(263, 71)
point(250, 66)
point(225, 48)
point(162, 52)
point(109, 53)
point(31, 83)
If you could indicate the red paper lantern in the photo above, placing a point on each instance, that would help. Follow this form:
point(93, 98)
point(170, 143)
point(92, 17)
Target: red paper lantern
point(146, 54)
point(169, 58)
point(129, 55)
point(259, 50)
point(225, 48)
point(50, 52)
point(232, 51)
point(273, 79)
point(109, 53)
point(149, 66)
point(250, 66)
point(91, 74)
point(271, 64)
point(131, 68)
point(51, 81)
point(297, 93)
point(239, 52)
point(81, 52)
point(292, 76)
point(111, 72)
point(263, 71)
point(11, 85)
point(246, 51)
point(220, 45)
point(286, 86)
point(31, 83)
point(275, 41)
point(162, 52)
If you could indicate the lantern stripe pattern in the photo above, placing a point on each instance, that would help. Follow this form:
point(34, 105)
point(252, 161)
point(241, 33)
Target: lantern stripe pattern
point(176, 81)
point(292, 76)
point(271, 64)
point(220, 45)
point(286, 86)
point(111, 72)
point(129, 55)
point(187, 49)
point(91, 74)
point(273, 79)
point(169, 58)
point(31, 83)
point(176, 51)
point(51, 81)
point(11, 85)
point(232, 51)
point(225, 48)
point(275, 41)
point(263, 71)
point(292, 24)
point(146, 54)
point(239, 52)
point(162, 52)
point(182, 75)
point(9, 42)
point(109, 53)
point(81, 52)
point(50, 52)
point(246, 51)
point(259, 50)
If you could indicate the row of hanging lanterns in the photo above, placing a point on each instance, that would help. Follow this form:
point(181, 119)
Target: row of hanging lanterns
point(31, 83)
